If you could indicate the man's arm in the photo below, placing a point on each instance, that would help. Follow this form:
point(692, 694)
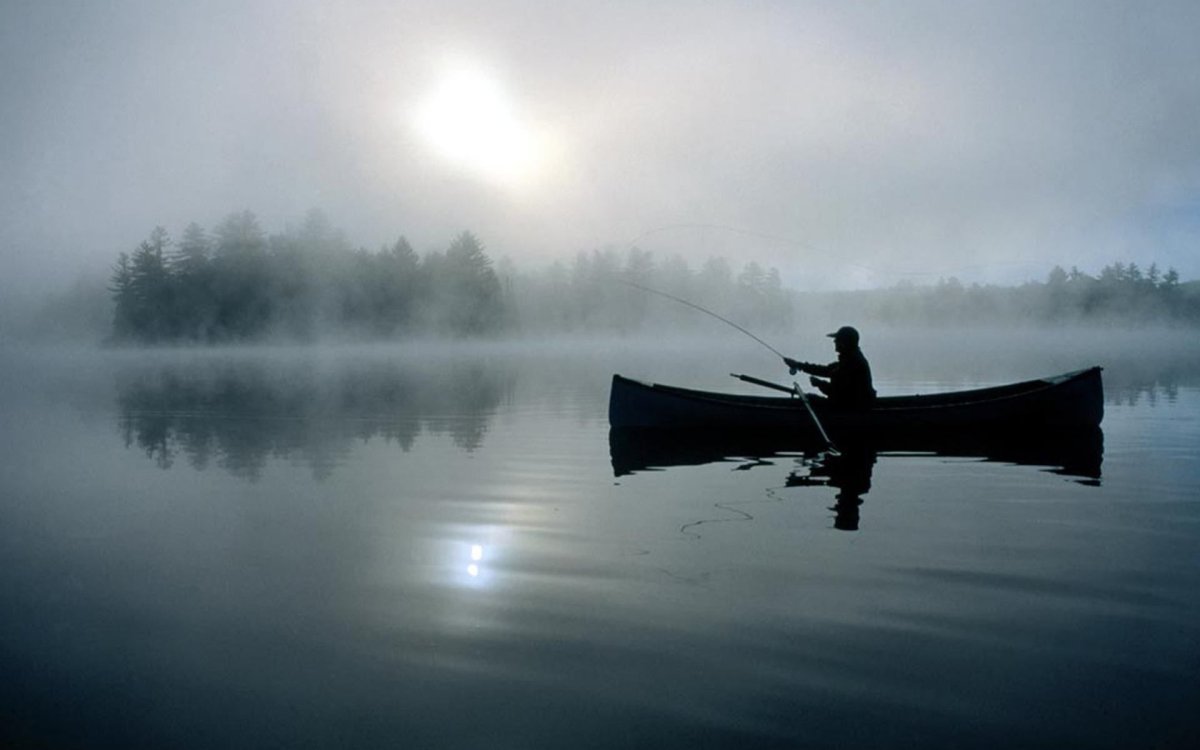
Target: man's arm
point(824, 371)
point(824, 386)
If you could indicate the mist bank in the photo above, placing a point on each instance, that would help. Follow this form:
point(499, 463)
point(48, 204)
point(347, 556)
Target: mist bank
point(239, 408)
point(237, 284)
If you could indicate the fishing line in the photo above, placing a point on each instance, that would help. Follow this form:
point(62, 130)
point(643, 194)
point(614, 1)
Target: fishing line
point(694, 306)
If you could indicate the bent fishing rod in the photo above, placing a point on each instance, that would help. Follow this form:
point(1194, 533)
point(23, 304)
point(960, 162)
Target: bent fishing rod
point(694, 306)
point(795, 390)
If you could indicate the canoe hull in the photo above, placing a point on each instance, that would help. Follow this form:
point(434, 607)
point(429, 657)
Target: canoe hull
point(1075, 453)
point(1070, 401)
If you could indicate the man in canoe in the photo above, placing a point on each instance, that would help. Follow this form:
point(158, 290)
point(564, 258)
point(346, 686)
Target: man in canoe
point(848, 384)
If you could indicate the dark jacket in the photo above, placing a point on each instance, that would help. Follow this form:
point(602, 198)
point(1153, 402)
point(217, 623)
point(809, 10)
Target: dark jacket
point(849, 383)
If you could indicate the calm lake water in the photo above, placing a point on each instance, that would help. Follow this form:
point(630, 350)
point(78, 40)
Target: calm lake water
point(429, 547)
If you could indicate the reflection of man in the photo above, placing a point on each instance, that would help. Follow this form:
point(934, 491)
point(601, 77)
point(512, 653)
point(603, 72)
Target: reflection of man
point(850, 472)
point(849, 378)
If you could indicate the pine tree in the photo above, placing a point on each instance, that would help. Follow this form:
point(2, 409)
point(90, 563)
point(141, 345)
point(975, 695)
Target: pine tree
point(150, 288)
point(191, 277)
point(399, 287)
point(121, 289)
point(469, 293)
point(241, 288)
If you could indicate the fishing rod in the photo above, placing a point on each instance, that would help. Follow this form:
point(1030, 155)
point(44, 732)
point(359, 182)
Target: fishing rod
point(694, 306)
point(796, 390)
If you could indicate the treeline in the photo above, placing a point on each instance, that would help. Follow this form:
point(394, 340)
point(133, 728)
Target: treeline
point(607, 290)
point(236, 283)
point(594, 293)
point(1121, 293)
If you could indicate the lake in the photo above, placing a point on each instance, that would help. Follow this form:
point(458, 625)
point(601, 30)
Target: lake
point(428, 546)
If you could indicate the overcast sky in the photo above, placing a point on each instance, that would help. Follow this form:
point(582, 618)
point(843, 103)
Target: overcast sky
point(848, 144)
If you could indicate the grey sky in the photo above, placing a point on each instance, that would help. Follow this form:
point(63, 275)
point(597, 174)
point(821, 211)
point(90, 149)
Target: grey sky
point(988, 140)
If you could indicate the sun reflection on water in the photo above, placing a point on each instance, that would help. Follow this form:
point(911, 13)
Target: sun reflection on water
point(472, 556)
point(476, 572)
point(476, 556)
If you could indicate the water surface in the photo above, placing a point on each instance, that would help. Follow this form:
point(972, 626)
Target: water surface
point(429, 547)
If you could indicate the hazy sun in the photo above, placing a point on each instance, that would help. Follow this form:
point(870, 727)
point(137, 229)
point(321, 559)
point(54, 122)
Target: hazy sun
point(470, 120)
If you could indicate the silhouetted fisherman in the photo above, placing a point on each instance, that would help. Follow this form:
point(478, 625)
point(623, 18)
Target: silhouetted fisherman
point(849, 378)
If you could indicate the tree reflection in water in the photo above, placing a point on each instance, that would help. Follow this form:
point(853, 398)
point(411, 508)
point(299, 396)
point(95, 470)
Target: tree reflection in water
point(239, 415)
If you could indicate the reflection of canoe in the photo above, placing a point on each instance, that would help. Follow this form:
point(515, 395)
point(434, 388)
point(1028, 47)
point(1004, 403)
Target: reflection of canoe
point(1073, 400)
point(1070, 452)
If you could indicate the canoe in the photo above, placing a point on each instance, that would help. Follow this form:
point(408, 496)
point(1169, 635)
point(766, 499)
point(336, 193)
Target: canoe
point(1077, 453)
point(1074, 400)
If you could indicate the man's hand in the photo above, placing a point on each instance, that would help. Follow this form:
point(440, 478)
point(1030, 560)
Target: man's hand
point(793, 365)
point(816, 382)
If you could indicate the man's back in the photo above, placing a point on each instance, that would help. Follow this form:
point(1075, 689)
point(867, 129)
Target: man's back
point(850, 383)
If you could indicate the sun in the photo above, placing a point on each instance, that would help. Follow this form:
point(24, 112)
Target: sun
point(471, 121)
